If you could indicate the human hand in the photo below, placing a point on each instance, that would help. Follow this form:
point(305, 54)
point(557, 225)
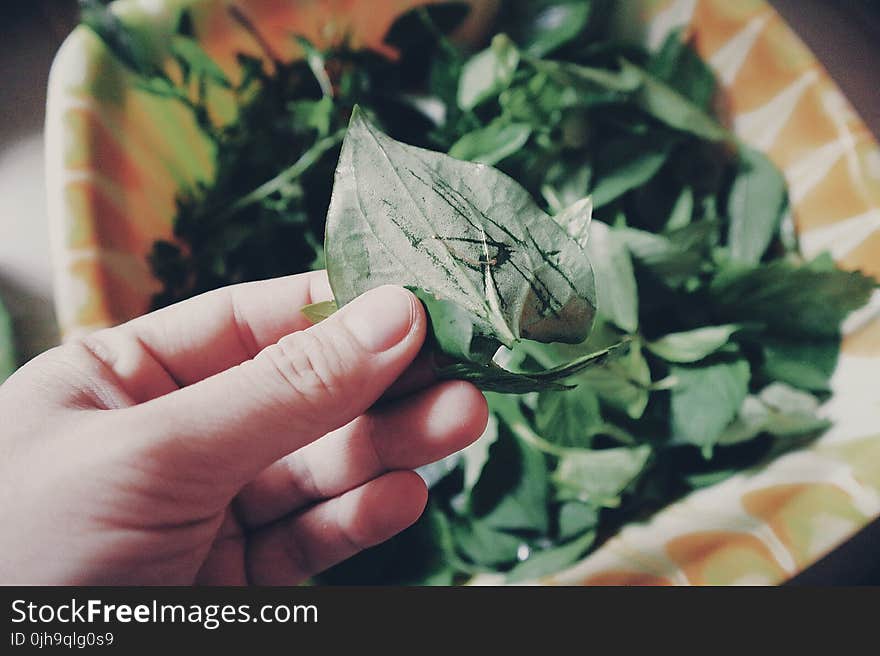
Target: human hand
point(223, 441)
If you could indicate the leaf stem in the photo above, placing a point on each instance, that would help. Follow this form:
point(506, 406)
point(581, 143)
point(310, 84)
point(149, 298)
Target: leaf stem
point(306, 160)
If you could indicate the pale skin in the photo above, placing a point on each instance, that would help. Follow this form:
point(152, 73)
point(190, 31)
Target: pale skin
point(224, 440)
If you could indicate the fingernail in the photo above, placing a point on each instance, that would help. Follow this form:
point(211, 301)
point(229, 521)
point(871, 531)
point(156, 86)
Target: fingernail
point(380, 318)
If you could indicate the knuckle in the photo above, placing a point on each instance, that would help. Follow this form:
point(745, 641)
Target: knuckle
point(310, 367)
point(300, 560)
point(353, 535)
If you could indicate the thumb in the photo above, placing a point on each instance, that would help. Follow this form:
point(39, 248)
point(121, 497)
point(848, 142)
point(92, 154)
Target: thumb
point(310, 382)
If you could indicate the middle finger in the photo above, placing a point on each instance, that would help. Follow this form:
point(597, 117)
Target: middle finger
point(403, 435)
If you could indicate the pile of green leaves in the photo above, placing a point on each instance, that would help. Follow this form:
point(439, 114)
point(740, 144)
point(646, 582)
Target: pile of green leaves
point(728, 335)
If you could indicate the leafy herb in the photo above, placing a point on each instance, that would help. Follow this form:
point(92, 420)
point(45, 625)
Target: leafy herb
point(317, 312)
point(463, 232)
point(552, 560)
point(729, 336)
point(693, 345)
point(755, 207)
point(706, 399)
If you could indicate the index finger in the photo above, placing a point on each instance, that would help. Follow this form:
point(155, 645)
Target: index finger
point(202, 336)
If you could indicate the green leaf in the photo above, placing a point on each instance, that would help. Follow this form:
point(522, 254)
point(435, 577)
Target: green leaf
point(705, 400)
point(125, 44)
point(159, 86)
point(566, 185)
point(587, 79)
point(708, 479)
point(453, 332)
point(600, 476)
point(755, 207)
point(196, 62)
point(675, 256)
point(493, 378)
point(463, 232)
point(779, 410)
point(313, 114)
point(542, 26)
point(576, 518)
point(8, 357)
point(512, 492)
point(679, 65)
point(791, 300)
point(317, 312)
point(672, 108)
point(623, 383)
point(552, 560)
point(804, 364)
point(493, 143)
point(539, 101)
point(488, 73)
point(616, 290)
point(682, 211)
point(576, 220)
point(792, 412)
point(693, 345)
point(568, 419)
point(627, 163)
point(483, 545)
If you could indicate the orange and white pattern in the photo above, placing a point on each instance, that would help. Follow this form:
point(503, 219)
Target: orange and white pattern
point(116, 158)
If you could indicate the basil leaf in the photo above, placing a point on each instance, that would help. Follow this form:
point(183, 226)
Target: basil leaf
point(483, 545)
point(463, 232)
point(792, 412)
point(317, 312)
point(493, 143)
point(755, 207)
point(681, 67)
point(672, 108)
point(682, 211)
point(804, 364)
point(493, 378)
point(600, 476)
point(552, 560)
point(566, 184)
point(623, 383)
point(780, 292)
point(488, 73)
point(627, 163)
point(541, 27)
point(453, 332)
point(568, 419)
point(196, 62)
point(779, 410)
point(676, 256)
point(512, 492)
point(588, 79)
point(576, 220)
point(616, 289)
point(693, 345)
point(126, 44)
point(576, 518)
point(705, 400)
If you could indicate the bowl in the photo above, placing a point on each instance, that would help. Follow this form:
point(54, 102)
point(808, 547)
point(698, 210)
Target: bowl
point(116, 157)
